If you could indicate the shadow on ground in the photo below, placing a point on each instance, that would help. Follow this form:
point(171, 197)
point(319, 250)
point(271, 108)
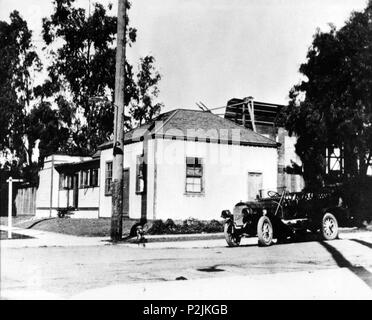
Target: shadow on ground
point(342, 262)
point(15, 236)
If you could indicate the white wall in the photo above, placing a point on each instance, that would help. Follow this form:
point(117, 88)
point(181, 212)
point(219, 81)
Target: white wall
point(88, 199)
point(130, 153)
point(226, 170)
point(47, 195)
point(43, 192)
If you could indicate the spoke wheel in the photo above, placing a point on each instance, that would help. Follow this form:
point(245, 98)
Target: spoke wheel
point(265, 231)
point(232, 239)
point(329, 227)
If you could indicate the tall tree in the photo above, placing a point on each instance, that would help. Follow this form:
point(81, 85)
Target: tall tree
point(143, 107)
point(18, 60)
point(84, 66)
point(25, 122)
point(332, 106)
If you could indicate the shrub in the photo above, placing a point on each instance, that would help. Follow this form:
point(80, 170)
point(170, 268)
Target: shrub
point(213, 226)
point(188, 226)
point(170, 225)
point(158, 227)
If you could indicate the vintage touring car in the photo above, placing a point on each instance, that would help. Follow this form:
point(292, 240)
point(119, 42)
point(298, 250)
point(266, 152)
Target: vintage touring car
point(283, 215)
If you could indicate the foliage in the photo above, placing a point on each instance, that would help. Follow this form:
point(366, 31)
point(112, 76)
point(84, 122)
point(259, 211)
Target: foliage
point(84, 66)
point(332, 106)
point(18, 60)
point(143, 108)
point(46, 124)
point(59, 115)
point(189, 226)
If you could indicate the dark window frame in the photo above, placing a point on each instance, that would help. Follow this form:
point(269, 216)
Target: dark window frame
point(84, 178)
point(338, 160)
point(65, 181)
point(140, 167)
point(108, 179)
point(194, 170)
point(94, 178)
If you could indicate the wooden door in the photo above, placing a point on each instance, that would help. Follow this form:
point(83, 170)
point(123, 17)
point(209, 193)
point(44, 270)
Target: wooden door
point(126, 193)
point(76, 190)
point(254, 185)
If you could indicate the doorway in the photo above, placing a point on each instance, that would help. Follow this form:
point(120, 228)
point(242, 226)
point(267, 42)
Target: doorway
point(75, 182)
point(254, 185)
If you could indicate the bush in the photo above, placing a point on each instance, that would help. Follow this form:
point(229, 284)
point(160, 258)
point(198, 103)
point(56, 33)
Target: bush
point(188, 226)
point(213, 226)
point(158, 227)
point(170, 225)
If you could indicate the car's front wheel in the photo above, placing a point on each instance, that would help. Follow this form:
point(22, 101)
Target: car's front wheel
point(265, 231)
point(329, 227)
point(232, 239)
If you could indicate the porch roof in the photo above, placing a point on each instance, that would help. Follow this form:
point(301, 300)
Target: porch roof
point(75, 166)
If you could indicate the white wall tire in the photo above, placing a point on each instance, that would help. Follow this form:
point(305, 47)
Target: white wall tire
point(265, 232)
point(329, 229)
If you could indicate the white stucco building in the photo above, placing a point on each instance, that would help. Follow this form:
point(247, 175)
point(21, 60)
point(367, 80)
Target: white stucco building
point(185, 163)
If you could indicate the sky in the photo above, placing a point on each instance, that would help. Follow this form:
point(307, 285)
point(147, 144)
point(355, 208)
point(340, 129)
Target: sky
point(215, 50)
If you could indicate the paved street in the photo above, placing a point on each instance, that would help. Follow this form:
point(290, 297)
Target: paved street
point(204, 269)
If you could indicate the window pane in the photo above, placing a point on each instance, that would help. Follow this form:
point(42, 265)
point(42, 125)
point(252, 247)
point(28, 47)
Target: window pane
point(140, 174)
point(108, 177)
point(94, 177)
point(84, 178)
point(194, 171)
point(193, 185)
point(197, 187)
point(194, 174)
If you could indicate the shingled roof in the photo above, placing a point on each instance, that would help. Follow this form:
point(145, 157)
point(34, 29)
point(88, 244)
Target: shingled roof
point(195, 125)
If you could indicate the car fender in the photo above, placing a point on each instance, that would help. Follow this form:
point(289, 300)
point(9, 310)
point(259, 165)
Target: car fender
point(342, 215)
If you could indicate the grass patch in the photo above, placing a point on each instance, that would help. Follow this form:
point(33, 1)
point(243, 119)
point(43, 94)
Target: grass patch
point(101, 227)
point(82, 227)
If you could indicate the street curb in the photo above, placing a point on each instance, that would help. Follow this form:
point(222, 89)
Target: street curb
point(211, 236)
point(178, 237)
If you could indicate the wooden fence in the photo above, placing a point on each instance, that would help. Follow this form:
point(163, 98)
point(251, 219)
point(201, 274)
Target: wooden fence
point(24, 200)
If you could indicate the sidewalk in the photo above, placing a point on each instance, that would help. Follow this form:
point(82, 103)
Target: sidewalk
point(50, 239)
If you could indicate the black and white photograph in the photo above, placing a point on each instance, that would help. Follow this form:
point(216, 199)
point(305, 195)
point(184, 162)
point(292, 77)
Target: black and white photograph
point(188, 152)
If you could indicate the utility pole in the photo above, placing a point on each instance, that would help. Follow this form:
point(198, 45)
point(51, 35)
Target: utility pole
point(10, 204)
point(118, 146)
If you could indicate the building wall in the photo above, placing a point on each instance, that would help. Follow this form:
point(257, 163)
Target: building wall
point(131, 151)
point(226, 170)
point(225, 181)
point(88, 202)
point(47, 195)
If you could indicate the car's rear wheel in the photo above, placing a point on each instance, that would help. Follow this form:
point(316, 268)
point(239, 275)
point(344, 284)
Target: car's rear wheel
point(329, 228)
point(265, 231)
point(232, 239)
